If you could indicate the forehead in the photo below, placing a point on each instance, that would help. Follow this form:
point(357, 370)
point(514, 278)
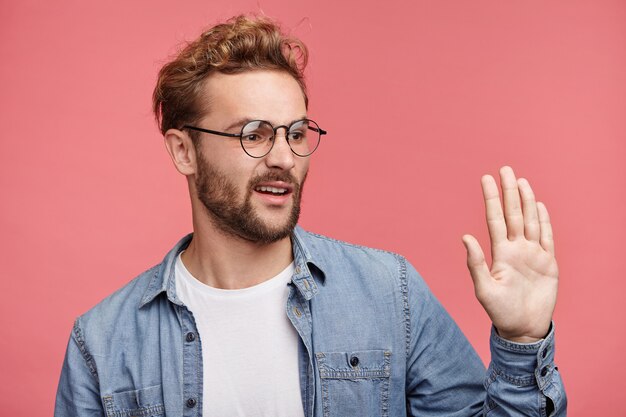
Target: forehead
point(274, 96)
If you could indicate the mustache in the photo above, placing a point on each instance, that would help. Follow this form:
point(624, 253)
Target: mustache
point(275, 176)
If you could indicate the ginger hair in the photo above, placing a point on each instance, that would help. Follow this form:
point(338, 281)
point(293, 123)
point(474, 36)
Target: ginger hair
point(243, 43)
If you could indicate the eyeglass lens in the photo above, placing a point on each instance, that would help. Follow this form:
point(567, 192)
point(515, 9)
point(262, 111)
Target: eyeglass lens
point(257, 137)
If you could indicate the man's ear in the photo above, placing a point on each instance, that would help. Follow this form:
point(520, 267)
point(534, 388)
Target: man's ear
point(181, 150)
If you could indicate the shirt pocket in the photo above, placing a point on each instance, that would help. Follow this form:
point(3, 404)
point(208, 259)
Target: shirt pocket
point(354, 383)
point(145, 402)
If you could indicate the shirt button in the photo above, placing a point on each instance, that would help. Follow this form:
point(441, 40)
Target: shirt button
point(191, 402)
point(191, 336)
point(354, 361)
point(544, 371)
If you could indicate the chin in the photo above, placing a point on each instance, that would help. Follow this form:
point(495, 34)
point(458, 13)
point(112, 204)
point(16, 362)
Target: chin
point(272, 229)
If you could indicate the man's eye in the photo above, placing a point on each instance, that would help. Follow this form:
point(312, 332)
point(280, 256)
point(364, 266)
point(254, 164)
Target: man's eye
point(296, 136)
point(251, 137)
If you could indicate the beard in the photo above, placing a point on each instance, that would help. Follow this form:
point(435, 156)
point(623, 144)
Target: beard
point(219, 196)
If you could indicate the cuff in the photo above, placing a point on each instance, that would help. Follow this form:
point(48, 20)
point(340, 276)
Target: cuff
point(521, 362)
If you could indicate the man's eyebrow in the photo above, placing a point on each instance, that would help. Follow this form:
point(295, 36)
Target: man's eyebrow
point(296, 120)
point(239, 123)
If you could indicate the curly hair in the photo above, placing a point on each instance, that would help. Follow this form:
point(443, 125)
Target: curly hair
point(240, 44)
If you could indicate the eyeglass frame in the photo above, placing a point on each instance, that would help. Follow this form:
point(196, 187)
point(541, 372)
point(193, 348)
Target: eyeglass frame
point(240, 135)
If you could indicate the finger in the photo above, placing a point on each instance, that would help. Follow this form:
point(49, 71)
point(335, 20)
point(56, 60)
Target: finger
point(493, 210)
point(476, 262)
point(529, 208)
point(512, 206)
point(546, 240)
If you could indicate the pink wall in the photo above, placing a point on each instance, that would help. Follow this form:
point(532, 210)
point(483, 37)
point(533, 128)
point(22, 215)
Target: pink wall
point(420, 99)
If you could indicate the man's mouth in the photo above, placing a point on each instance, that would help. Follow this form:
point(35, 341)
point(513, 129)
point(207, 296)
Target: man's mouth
point(271, 190)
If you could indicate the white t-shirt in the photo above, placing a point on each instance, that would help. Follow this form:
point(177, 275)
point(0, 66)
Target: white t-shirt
point(249, 346)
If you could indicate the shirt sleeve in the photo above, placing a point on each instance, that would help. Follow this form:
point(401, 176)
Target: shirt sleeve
point(445, 376)
point(523, 380)
point(78, 392)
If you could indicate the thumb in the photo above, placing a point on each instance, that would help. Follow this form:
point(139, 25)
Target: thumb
point(476, 261)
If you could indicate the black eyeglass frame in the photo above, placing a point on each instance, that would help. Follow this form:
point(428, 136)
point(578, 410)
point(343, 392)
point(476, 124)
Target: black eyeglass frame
point(240, 135)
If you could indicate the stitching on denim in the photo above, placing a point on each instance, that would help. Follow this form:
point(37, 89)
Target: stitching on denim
point(362, 374)
point(492, 375)
point(199, 372)
point(185, 315)
point(376, 372)
point(294, 301)
point(489, 405)
point(305, 309)
point(154, 272)
point(518, 347)
point(544, 381)
point(383, 374)
point(310, 382)
point(353, 245)
point(385, 394)
point(542, 405)
point(325, 397)
point(523, 381)
point(78, 333)
point(199, 381)
point(554, 395)
point(404, 290)
point(108, 405)
point(154, 410)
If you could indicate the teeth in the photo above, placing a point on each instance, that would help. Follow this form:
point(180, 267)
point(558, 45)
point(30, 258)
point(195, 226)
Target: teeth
point(272, 189)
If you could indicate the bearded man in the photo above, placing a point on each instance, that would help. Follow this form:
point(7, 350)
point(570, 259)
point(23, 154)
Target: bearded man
point(253, 316)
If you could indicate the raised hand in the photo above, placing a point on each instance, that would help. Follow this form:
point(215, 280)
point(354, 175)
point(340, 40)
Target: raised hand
point(519, 291)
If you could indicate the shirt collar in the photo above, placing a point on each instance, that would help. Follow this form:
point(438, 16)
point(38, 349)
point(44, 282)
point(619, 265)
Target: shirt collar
point(308, 271)
point(306, 276)
point(163, 279)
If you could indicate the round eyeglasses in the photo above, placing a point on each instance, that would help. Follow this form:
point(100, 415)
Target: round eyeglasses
point(257, 136)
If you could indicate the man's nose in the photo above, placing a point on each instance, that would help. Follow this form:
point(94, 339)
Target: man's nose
point(280, 156)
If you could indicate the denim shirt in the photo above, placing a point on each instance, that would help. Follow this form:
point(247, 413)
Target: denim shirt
point(374, 341)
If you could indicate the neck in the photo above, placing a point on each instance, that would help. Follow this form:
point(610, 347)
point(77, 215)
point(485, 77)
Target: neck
point(223, 260)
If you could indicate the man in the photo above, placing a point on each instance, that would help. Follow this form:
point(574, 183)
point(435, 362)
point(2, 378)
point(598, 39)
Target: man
point(253, 316)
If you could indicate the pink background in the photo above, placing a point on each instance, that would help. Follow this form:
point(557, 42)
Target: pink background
point(420, 98)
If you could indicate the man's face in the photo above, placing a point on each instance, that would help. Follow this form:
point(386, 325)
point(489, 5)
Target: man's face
point(238, 191)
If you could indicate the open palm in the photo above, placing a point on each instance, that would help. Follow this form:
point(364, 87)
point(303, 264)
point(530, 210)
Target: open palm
point(519, 291)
